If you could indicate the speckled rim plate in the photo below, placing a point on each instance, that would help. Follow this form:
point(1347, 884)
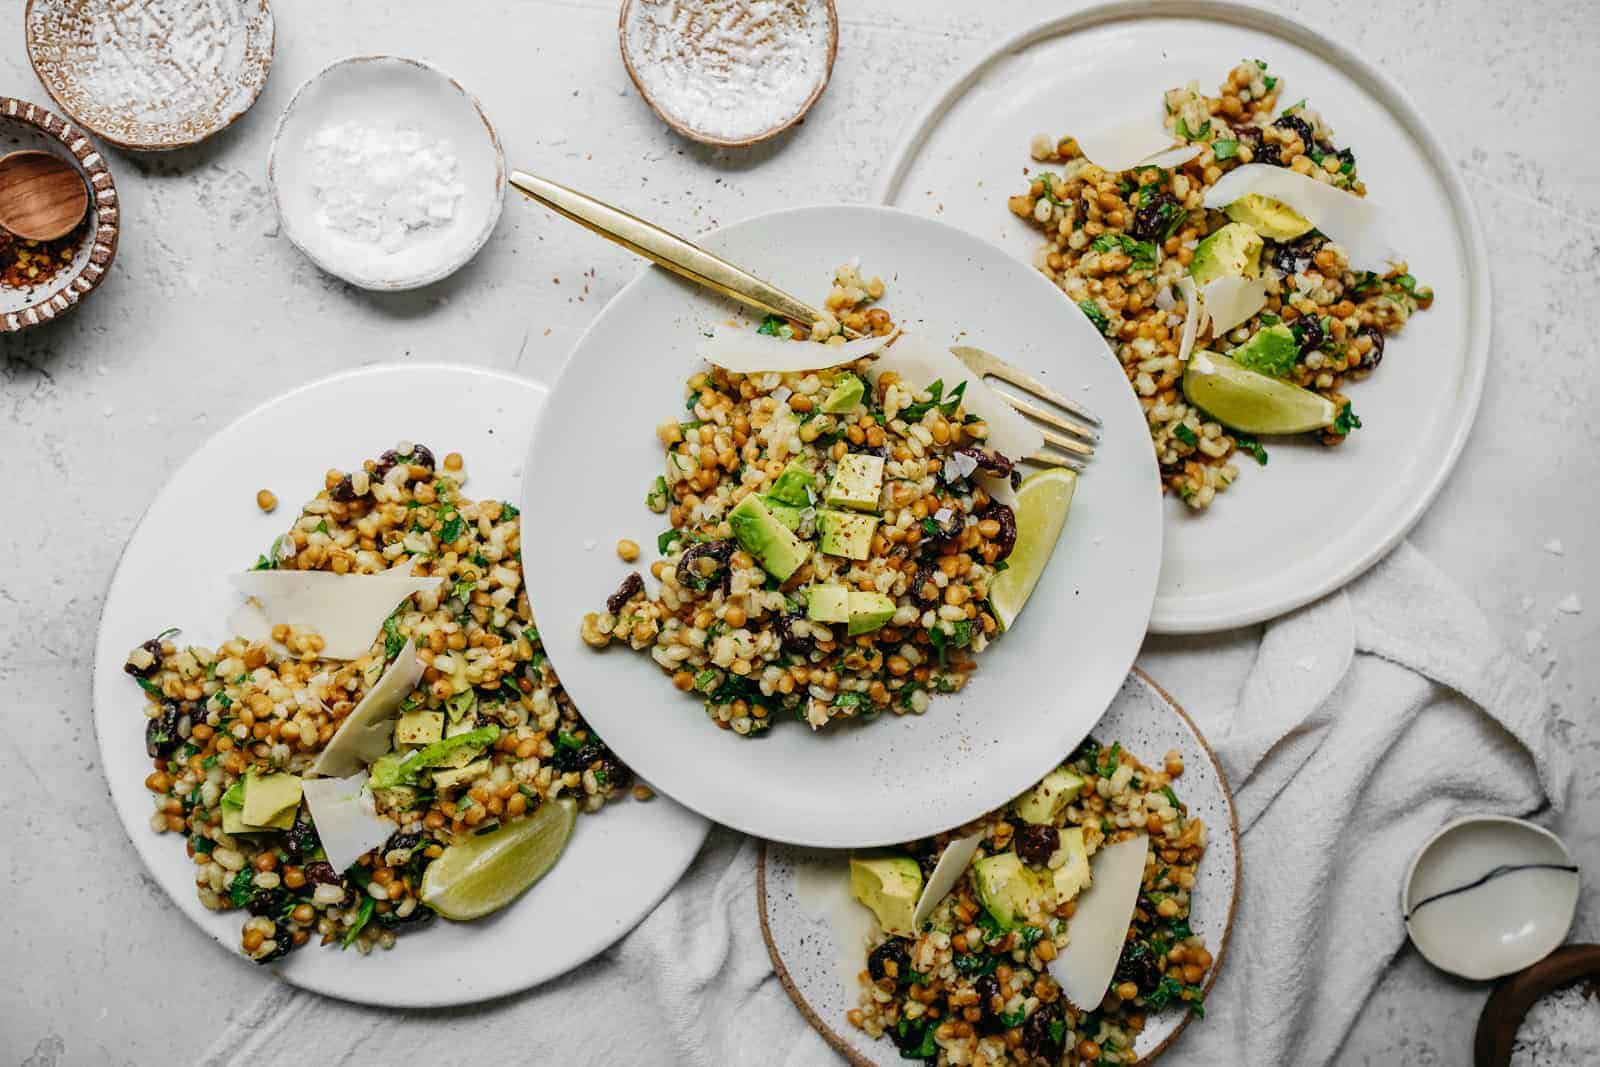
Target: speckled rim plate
point(812, 965)
point(619, 863)
point(1036, 691)
point(1270, 543)
point(239, 90)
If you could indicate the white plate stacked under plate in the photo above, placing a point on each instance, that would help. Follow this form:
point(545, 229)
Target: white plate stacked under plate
point(1314, 518)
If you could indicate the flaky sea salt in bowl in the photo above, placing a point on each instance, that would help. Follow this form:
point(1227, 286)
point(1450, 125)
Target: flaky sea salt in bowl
point(386, 172)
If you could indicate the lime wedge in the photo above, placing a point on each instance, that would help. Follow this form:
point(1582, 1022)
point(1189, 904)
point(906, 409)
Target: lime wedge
point(1042, 505)
point(482, 874)
point(1254, 403)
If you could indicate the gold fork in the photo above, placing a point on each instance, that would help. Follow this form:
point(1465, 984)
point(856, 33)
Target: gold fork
point(1075, 437)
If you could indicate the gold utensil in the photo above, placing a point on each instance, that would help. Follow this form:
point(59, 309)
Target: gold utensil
point(1074, 436)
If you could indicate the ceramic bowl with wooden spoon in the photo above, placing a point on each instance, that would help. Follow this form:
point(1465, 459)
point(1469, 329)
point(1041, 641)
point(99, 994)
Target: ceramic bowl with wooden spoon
point(42, 195)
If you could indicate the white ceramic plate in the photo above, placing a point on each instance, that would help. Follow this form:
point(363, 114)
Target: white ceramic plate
point(204, 525)
point(1038, 689)
point(388, 92)
point(817, 934)
point(1489, 895)
point(1313, 519)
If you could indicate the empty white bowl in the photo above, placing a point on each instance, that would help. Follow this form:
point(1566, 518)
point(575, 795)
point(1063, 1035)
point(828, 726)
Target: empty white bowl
point(388, 91)
point(1489, 895)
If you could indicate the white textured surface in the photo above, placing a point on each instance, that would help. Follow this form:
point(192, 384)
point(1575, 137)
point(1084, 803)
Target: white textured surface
point(208, 311)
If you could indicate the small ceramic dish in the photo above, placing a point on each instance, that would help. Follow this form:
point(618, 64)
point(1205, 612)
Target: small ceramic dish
point(152, 75)
point(1489, 895)
point(25, 125)
point(759, 72)
point(380, 95)
point(1508, 1005)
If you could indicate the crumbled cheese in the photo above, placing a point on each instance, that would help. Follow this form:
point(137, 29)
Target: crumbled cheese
point(1561, 1028)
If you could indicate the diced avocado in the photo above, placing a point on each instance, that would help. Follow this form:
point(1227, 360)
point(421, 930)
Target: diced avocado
point(460, 704)
point(1233, 250)
point(232, 804)
point(454, 776)
point(419, 728)
point(846, 394)
point(1041, 804)
point(777, 549)
point(1270, 218)
point(793, 486)
point(828, 603)
point(842, 533)
point(868, 612)
point(857, 482)
point(395, 797)
point(787, 514)
point(889, 884)
point(464, 725)
point(1271, 350)
point(270, 800)
point(1007, 889)
point(458, 750)
point(1071, 875)
point(397, 768)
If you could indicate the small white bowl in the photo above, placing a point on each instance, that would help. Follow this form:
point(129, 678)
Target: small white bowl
point(416, 95)
point(1489, 895)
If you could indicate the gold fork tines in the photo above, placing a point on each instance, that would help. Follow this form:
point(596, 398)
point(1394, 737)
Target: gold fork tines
point(1072, 437)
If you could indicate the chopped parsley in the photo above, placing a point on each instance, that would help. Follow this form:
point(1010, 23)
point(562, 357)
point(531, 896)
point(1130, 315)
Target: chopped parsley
point(393, 639)
point(362, 918)
point(507, 511)
point(1107, 766)
point(1225, 149)
point(667, 539)
point(1048, 180)
point(240, 888)
point(1245, 443)
point(972, 964)
point(1143, 253)
point(1292, 108)
point(1346, 421)
point(1096, 316)
point(453, 528)
point(776, 326)
point(946, 404)
point(1186, 435)
point(1182, 130)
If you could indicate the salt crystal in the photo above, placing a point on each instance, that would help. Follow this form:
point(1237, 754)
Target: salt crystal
point(1532, 641)
point(590, 545)
point(1560, 1028)
point(1309, 663)
point(1570, 605)
point(1524, 604)
point(382, 183)
point(1555, 548)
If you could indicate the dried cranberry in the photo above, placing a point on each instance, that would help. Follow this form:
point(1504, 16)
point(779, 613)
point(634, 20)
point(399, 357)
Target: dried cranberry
point(1248, 135)
point(924, 590)
point(1295, 256)
point(1036, 844)
point(989, 462)
point(1153, 220)
point(801, 645)
point(281, 946)
point(1006, 539)
point(1310, 334)
point(344, 491)
point(990, 1002)
point(617, 774)
point(152, 646)
point(402, 840)
point(631, 587)
point(267, 902)
point(421, 915)
point(321, 872)
point(1041, 1039)
point(1269, 153)
point(419, 456)
point(893, 950)
point(1138, 965)
point(689, 572)
point(163, 734)
point(1374, 354)
point(301, 838)
point(1300, 126)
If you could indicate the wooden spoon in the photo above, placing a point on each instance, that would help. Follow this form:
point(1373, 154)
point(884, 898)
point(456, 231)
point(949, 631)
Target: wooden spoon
point(42, 196)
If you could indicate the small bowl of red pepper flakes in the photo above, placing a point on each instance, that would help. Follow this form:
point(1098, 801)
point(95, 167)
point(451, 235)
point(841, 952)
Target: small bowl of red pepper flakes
point(42, 280)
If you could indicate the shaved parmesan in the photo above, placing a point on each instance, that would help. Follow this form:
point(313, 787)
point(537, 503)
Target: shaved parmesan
point(1230, 300)
point(347, 610)
point(1125, 143)
point(1099, 927)
point(748, 352)
point(920, 363)
point(1361, 226)
point(1191, 318)
point(368, 731)
point(946, 873)
point(347, 821)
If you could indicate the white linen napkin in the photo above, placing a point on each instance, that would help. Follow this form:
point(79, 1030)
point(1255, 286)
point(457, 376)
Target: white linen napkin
point(1365, 722)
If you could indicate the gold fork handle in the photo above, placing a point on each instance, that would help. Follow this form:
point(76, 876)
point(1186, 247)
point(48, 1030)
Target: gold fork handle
point(668, 249)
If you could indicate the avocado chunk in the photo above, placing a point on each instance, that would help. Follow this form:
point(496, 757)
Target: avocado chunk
point(1233, 250)
point(869, 612)
point(405, 768)
point(828, 603)
point(1008, 890)
point(395, 798)
point(1270, 218)
point(787, 514)
point(1271, 350)
point(889, 885)
point(760, 533)
point(1041, 804)
point(793, 486)
point(857, 482)
point(1069, 867)
point(419, 728)
point(843, 533)
point(271, 800)
point(846, 394)
point(454, 776)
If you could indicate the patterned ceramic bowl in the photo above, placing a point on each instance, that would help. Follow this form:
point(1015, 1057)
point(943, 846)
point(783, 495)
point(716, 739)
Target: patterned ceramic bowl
point(152, 75)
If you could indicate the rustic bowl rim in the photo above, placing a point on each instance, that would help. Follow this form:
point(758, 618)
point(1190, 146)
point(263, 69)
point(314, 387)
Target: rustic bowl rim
point(170, 145)
point(723, 142)
point(1514, 995)
point(428, 277)
point(91, 165)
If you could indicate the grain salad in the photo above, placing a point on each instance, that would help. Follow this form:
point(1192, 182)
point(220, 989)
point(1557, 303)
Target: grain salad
point(972, 984)
point(220, 719)
point(873, 595)
point(1117, 243)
